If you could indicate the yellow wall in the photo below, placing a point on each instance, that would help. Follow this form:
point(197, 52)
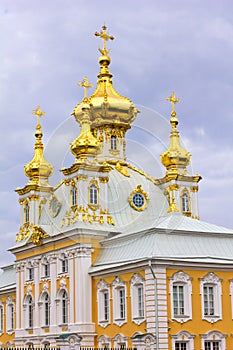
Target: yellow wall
point(5, 338)
point(127, 329)
point(197, 325)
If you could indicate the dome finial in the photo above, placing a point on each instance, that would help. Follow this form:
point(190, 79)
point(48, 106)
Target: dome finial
point(104, 35)
point(39, 114)
point(86, 85)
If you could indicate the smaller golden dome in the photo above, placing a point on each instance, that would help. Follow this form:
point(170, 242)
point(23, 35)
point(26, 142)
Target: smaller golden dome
point(86, 143)
point(38, 170)
point(175, 158)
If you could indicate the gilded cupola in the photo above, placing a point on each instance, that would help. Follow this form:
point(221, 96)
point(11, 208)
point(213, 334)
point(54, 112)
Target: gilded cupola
point(175, 158)
point(107, 106)
point(86, 143)
point(38, 170)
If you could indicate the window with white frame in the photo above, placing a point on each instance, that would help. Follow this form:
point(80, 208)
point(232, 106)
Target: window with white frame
point(93, 194)
point(119, 301)
point(73, 195)
point(104, 342)
point(120, 341)
point(28, 305)
point(1, 317)
point(45, 268)
point(26, 213)
point(185, 201)
point(113, 143)
point(137, 298)
point(63, 306)
point(10, 315)
point(211, 292)
point(183, 341)
point(214, 340)
point(30, 272)
point(181, 296)
point(103, 297)
point(45, 309)
point(63, 262)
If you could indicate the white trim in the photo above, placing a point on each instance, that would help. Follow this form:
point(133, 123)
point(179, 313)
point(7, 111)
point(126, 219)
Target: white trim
point(183, 336)
point(10, 315)
point(104, 341)
point(182, 279)
point(103, 290)
point(120, 341)
point(214, 336)
point(136, 285)
point(118, 294)
point(212, 280)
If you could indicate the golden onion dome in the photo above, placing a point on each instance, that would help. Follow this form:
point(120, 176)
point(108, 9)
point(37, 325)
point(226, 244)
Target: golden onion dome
point(107, 105)
point(86, 143)
point(38, 170)
point(175, 158)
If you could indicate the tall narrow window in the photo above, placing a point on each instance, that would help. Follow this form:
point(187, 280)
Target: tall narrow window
point(64, 306)
point(12, 318)
point(140, 301)
point(178, 300)
point(211, 291)
point(113, 143)
point(26, 212)
point(30, 312)
point(30, 273)
point(74, 195)
point(1, 318)
point(103, 303)
point(181, 296)
point(121, 296)
point(208, 300)
point(185, 203)
point(93, 194)
point(64, 264)
point(46, 310)
point(119, 301)
point(45, 268)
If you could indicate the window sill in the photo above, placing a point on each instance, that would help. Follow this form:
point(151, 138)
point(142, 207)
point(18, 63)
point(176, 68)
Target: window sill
point(10, 331)
point(104, 324)
point(138, 319)
point(119, 321)
point(212, 319)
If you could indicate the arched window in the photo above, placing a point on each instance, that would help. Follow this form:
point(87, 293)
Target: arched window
point(185, 203)
point(113, 143)
point(64, 307)
point(73, 195)
point(93, 194)
point(46, 310)
point(30, 312)
point(26, 212)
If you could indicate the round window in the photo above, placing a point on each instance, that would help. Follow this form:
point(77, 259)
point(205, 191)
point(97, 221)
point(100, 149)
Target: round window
point(138, 200)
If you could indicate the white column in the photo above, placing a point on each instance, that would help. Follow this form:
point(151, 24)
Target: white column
point(161, 299)
point(71, 291)
point(83, 295)
point(53, 276)
point(36, 325)
point(18, 303)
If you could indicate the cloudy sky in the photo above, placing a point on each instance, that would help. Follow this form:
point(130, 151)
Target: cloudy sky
point(160, 46)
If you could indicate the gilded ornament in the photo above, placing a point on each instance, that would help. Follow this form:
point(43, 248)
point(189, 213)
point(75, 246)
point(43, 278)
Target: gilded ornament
point(54, 206)
point(138, 199)
point(122, 170)
point(104, 179)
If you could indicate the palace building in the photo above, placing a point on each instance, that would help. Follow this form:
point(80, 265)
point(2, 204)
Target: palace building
point(112, 256)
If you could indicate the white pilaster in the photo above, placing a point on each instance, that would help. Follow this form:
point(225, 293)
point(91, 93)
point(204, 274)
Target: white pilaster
point(53, 310)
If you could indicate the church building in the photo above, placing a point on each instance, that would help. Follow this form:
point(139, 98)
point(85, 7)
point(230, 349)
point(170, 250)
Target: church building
point(112, 256)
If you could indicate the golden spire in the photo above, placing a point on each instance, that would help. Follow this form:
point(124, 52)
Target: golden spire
point(38, 170)
point(175, 158)
point(104, 35)
point(86, 85)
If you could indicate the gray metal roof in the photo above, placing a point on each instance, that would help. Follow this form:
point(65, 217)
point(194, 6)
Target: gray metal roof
point(7, 278)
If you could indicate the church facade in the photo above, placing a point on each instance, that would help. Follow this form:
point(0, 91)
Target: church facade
point(111, 256)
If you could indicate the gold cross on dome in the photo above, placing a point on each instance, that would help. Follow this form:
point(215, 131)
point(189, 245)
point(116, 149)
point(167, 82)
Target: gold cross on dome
point(173, 101)
point(86, 85)
point(104, 35)
point(38, 113)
